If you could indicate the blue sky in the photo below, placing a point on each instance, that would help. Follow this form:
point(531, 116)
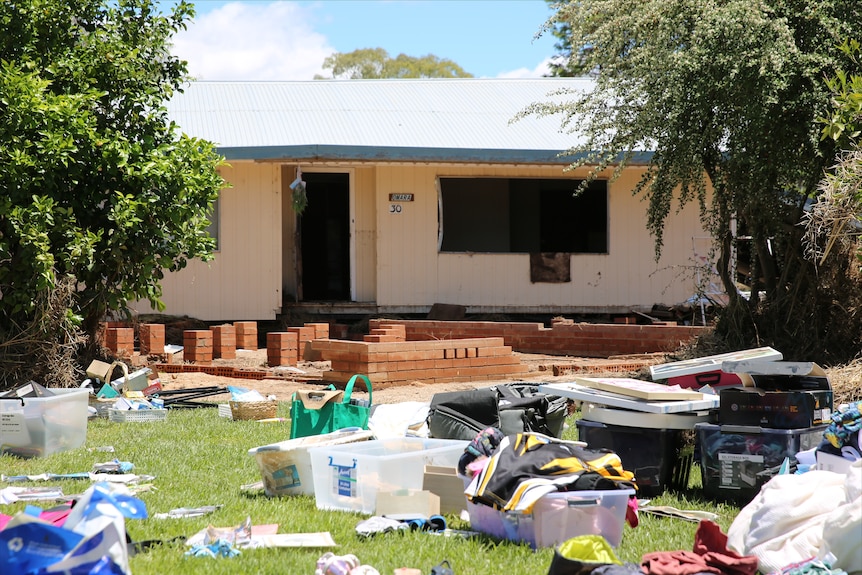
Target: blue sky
point(281, 40)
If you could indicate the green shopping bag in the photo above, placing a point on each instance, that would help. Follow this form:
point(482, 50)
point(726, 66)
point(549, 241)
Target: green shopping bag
point(317, 412)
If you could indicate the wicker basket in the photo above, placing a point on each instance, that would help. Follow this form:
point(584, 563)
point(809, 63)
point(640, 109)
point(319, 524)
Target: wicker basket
point(253, 409)
point(124, 415)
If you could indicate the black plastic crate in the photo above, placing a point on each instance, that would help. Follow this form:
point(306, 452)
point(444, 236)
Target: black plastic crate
point(737, 460)
point(660, 459)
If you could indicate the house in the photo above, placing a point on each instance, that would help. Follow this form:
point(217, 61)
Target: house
point(418, 192)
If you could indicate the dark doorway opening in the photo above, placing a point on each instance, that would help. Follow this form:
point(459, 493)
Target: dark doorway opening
point(325, 238)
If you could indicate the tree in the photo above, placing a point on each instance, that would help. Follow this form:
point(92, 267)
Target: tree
point(368, 63)
point(567, 63)
point(726, 96)
point(835, 220)
point(100, 192)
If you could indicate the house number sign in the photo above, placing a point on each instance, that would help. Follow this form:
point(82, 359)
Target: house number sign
point(395, 208)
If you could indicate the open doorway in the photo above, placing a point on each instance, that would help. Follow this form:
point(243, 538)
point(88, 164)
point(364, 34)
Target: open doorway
point(324, 232)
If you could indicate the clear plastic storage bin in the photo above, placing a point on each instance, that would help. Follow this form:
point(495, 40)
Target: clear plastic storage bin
point(557, 517)
point(40, 426)
point(349, 477)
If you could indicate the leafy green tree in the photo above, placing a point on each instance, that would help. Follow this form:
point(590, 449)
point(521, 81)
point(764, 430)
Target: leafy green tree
point(368, 63)
point(726, 95)
point(101, 193)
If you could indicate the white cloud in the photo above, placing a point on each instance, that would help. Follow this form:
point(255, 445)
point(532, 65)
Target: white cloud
point(542, 69)
point(238, 41)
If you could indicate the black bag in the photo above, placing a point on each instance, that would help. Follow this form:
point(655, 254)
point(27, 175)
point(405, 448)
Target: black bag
point(511, 408)
point(523, 408)
point(462, 414)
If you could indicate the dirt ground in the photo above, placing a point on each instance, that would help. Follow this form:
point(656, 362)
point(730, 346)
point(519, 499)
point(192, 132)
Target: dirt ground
point(307, 375)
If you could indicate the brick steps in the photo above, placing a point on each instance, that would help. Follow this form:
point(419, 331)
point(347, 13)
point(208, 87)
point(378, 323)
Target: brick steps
point(392, 363)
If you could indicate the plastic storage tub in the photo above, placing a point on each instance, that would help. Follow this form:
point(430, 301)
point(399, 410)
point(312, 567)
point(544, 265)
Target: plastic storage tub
point(285, 467)
point(349, 477)
point(557, 517)
point(660, 458)
point(737, 460)
point(40, 426)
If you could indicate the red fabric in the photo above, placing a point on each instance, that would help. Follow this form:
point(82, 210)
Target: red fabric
point(710, 555)
point(675, 563)
point(711, 542)
point(632, 512)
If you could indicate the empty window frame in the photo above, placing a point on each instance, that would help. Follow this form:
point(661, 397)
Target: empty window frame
point(522, 215)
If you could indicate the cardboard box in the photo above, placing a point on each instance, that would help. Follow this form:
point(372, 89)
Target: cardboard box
point(775, 409)
point(445, 483)
point(407, 502)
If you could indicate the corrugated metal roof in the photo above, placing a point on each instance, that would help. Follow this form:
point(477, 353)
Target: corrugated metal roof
point(458, 120)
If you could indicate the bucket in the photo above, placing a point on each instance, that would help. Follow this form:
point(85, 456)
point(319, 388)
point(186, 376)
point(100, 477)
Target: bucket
point(285, 467)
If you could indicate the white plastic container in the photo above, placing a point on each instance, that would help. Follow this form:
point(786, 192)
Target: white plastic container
point(557, 517)
point(349, 477)
point(40, 426)
point(285, 467)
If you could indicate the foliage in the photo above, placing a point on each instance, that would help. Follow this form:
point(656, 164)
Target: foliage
point(725, 96)
point(369, 63)
point(215, 465)
point(569, 60)
point(99, 188)
point(837, 215)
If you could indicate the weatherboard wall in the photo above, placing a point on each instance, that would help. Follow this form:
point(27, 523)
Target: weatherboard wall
point(412, 275)
point(394, 256)
point(243, 281)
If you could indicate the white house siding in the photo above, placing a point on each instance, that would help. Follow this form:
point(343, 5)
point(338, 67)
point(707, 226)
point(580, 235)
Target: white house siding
point(243, 282)
point(412, 274)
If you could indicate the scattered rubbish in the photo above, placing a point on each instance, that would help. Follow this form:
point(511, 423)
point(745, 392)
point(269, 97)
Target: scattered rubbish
point(181, 512)
point(44, 477)
point(103, 449)
point(92, 539)
point(114, 466)
point(331, 564)
point(694, 516)
point(10, 495)
point(219, 548)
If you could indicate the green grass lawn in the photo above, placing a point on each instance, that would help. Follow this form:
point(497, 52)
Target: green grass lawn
point(199, 459)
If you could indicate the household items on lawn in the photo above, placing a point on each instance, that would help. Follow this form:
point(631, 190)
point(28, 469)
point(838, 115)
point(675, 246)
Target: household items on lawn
point(91, 538)
point(513, 408)
point(781, 410)
point(250, 536)
point(316, 412)
point(250, 404)
point(285, 467)
point(797, 517)
point(647, 424)
point(38, 421)
point(543, 490)
point(350, 476)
